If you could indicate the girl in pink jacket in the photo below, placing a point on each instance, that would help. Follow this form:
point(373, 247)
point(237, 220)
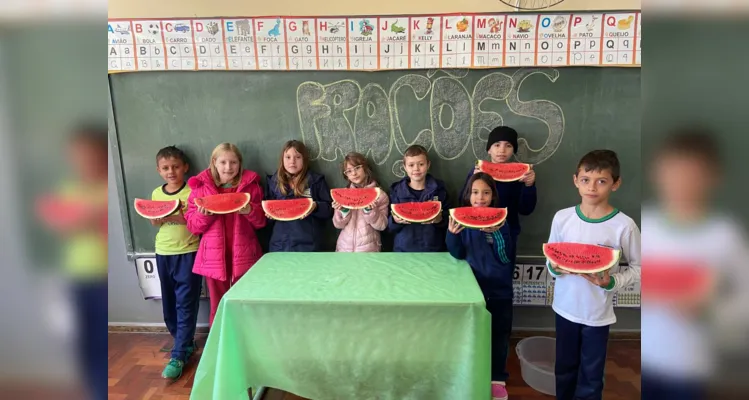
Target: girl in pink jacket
point(228, 244)
point(360, 229)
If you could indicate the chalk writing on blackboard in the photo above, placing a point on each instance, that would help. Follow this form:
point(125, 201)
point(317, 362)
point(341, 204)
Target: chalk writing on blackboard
point(457, 120)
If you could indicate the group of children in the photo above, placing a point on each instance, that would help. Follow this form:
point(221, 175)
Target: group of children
point(221, 248)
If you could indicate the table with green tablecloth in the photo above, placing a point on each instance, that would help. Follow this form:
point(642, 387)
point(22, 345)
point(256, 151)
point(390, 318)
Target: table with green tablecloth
point(350, 326)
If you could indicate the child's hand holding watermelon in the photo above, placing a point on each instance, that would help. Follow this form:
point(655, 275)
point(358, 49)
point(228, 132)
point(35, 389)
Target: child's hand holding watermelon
point(529, 178)
point(203, 211)
point(399, 220)
point(601, 280)
point(453, 226)
point(557, 269)
point(246, 209)
point(494, 228)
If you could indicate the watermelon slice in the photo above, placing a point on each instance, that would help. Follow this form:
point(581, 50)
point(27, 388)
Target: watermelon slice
point(504, 172)
point(417, 211)
point(667, 280)
point(224, 203)
point(288, 210)
point(61, 213)
point(155, 209)
point(581, 258)
point(354, 198)
point(478, 217)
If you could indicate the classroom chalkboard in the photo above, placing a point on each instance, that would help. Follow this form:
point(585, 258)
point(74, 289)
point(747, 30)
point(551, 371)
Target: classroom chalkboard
point(559, 113)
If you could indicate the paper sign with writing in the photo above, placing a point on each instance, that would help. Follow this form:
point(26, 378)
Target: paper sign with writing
point(483, 40)
point(121, 46)
point(179, 45)
point(363, 43)
point(426, 32)
point(489, 40)
point(618, 39)
point(553, 39)
point(457, 41)
point(520, 50)
point(240, 44)
point(270, 36)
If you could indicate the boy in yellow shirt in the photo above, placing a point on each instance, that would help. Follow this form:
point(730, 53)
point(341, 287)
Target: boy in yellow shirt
point(176, 248)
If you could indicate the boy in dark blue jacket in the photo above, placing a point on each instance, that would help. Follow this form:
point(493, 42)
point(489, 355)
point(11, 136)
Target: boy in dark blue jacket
point(418, 186)
point(520, 196)
point(490, 253)
point(293, 180)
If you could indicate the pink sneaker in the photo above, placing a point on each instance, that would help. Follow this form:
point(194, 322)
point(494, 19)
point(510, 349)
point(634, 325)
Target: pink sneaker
point(499, 392)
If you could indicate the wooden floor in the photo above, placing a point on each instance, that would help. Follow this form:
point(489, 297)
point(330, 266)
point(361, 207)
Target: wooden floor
point(136, 361)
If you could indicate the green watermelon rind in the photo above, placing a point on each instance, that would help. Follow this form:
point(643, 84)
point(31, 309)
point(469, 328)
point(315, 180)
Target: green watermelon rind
point(485, 167)
point(615, 255)
point(394, 207)
point(139, 203)
point(213, 208)
point(469, 210)
point(274, 214)
point(336, 195)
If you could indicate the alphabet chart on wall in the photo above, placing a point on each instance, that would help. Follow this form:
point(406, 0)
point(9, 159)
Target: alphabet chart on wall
point(376, 43)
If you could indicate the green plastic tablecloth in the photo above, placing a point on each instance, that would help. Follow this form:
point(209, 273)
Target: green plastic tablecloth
point(350, 326)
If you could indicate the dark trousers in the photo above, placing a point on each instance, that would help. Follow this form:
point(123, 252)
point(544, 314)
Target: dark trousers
point(657, 387)
point(501, 311)
point(90, 300)
point(581, 358)
point(180, 299)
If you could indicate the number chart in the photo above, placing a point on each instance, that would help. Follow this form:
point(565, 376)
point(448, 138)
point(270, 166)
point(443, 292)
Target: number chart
point(374, 43)
point(533, 285)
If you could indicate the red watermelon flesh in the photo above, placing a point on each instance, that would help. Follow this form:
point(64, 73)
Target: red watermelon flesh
point(61, 213)
point(288, 210)
point(155, 209)
point(417, 211)
point(478, 217)
point(354, 198)
point(672, 280)
point(504, 172)
point(581, 258)
point(224, 203)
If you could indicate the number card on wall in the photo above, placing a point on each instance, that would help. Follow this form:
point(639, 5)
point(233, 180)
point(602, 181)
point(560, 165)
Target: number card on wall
point(534, 284)
point(517, 286)
point(148, 279)
point(466, 40)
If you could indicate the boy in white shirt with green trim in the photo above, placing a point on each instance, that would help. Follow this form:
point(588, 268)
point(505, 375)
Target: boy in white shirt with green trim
point(583, 303)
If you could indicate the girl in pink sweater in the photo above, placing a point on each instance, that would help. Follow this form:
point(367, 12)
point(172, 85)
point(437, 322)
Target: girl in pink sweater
point(360, 229)
point(228, 244)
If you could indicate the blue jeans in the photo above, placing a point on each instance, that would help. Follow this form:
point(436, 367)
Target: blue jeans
point(581, 358)
point(656, 387)
point(180, 299)
point(501, 311)
point(90, 299)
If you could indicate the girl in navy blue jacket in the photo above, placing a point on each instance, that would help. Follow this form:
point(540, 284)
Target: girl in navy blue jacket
point(489, 253)
point(293, 179)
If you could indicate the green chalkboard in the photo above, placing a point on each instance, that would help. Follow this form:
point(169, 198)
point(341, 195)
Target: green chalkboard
point(560, 114)
point(684, 90)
